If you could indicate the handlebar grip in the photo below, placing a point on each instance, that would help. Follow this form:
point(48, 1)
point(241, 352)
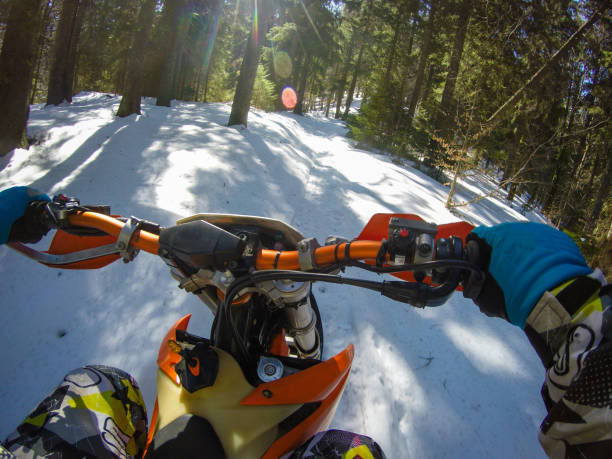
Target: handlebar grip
point(32, 226)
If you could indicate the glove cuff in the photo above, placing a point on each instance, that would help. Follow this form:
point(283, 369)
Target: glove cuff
point(482, 288)
point(549, 321)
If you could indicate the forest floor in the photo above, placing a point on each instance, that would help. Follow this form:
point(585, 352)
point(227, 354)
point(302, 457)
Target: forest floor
point(439, 382)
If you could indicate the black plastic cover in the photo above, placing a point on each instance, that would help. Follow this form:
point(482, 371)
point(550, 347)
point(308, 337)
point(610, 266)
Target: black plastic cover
point(199, 244)
point(198, 368)
point(187, 437)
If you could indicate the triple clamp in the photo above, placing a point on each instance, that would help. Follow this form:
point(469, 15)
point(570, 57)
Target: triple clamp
point(124, 241)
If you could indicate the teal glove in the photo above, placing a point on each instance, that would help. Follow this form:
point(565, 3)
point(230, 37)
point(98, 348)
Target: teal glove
point(13, 204)
point(521, 261)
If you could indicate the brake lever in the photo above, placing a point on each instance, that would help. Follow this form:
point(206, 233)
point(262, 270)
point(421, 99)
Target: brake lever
point(419, 294)
point(57, 214)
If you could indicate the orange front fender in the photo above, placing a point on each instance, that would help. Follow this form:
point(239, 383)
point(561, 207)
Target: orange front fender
point(322, 383)
point(311, 385)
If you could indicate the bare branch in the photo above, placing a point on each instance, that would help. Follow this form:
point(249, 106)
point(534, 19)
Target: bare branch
point(570, 41)
point(586, 130)
point(512, 179)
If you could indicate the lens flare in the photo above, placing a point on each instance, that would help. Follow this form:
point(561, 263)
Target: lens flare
point(213, 28)
point(282, 64)
point(255, 22)
point(289, 97)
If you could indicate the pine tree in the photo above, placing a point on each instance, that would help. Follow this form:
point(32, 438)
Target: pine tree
point(446, 104)
point(425, 50)
point(17, 62)
point(130, 102)
point(61, 76)
point(170, 30)
point(248, 68)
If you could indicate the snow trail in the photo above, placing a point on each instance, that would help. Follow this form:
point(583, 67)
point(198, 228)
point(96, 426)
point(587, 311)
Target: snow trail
point(440, 382)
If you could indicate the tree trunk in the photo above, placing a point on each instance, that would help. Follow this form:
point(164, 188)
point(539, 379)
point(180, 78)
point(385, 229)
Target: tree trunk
point(365, 94)
point(299, 107)
point(42, 39)
point(564, 155)
point(71, 62)
point(130, 102)
point(396, 31)
point(349, 97)
point(169, 26)
point(551, 196)
point(451, 191)
point(312, 104)
point(206, 87)
point(71, 69)
point(342, 82)
point(183, 68)
point(331, 91)
point(398, 110)
point(597, 160)
point(328, 105)
point(602, 194)
point(198, 83)
point(248, 72)
point(400, 101)
point(211, 33)
point(340, 95)
point(604, 259)
point(512, 192)
point(413, 29)
point(61, 76)
point(429, 83)
point(17, 64)
point(510, 165)
point(583, 147)
point(422, 63)
point(448, 94)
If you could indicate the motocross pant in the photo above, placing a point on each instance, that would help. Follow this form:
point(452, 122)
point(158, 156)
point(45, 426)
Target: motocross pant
point(96, 411)
point(99, 412)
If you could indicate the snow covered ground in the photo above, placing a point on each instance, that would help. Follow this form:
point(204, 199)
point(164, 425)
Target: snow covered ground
point(440, 382)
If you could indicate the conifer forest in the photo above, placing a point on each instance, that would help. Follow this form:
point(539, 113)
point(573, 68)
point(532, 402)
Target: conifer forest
point(520, 89)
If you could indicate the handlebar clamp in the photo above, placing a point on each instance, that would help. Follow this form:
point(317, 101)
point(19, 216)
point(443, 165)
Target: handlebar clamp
point(306, 253)
point(124, 241)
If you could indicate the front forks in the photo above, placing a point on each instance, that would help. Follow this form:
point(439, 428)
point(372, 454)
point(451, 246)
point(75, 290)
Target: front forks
point(302, 321)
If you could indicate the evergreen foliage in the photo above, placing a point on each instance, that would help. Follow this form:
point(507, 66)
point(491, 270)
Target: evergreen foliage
point(429, 74)
point(263, 96)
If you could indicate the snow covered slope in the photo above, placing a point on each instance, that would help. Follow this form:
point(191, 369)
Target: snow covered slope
point(443, 382)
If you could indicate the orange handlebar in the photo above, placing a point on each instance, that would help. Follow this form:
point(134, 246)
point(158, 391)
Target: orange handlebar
point(266, 259)
point(143, 240)
point(324, 256)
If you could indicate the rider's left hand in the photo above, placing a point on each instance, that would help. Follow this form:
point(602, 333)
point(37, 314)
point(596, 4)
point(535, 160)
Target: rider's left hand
point(13, 205)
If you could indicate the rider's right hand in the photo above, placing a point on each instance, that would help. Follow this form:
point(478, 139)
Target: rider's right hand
point(13, 206)
point(521, 262)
